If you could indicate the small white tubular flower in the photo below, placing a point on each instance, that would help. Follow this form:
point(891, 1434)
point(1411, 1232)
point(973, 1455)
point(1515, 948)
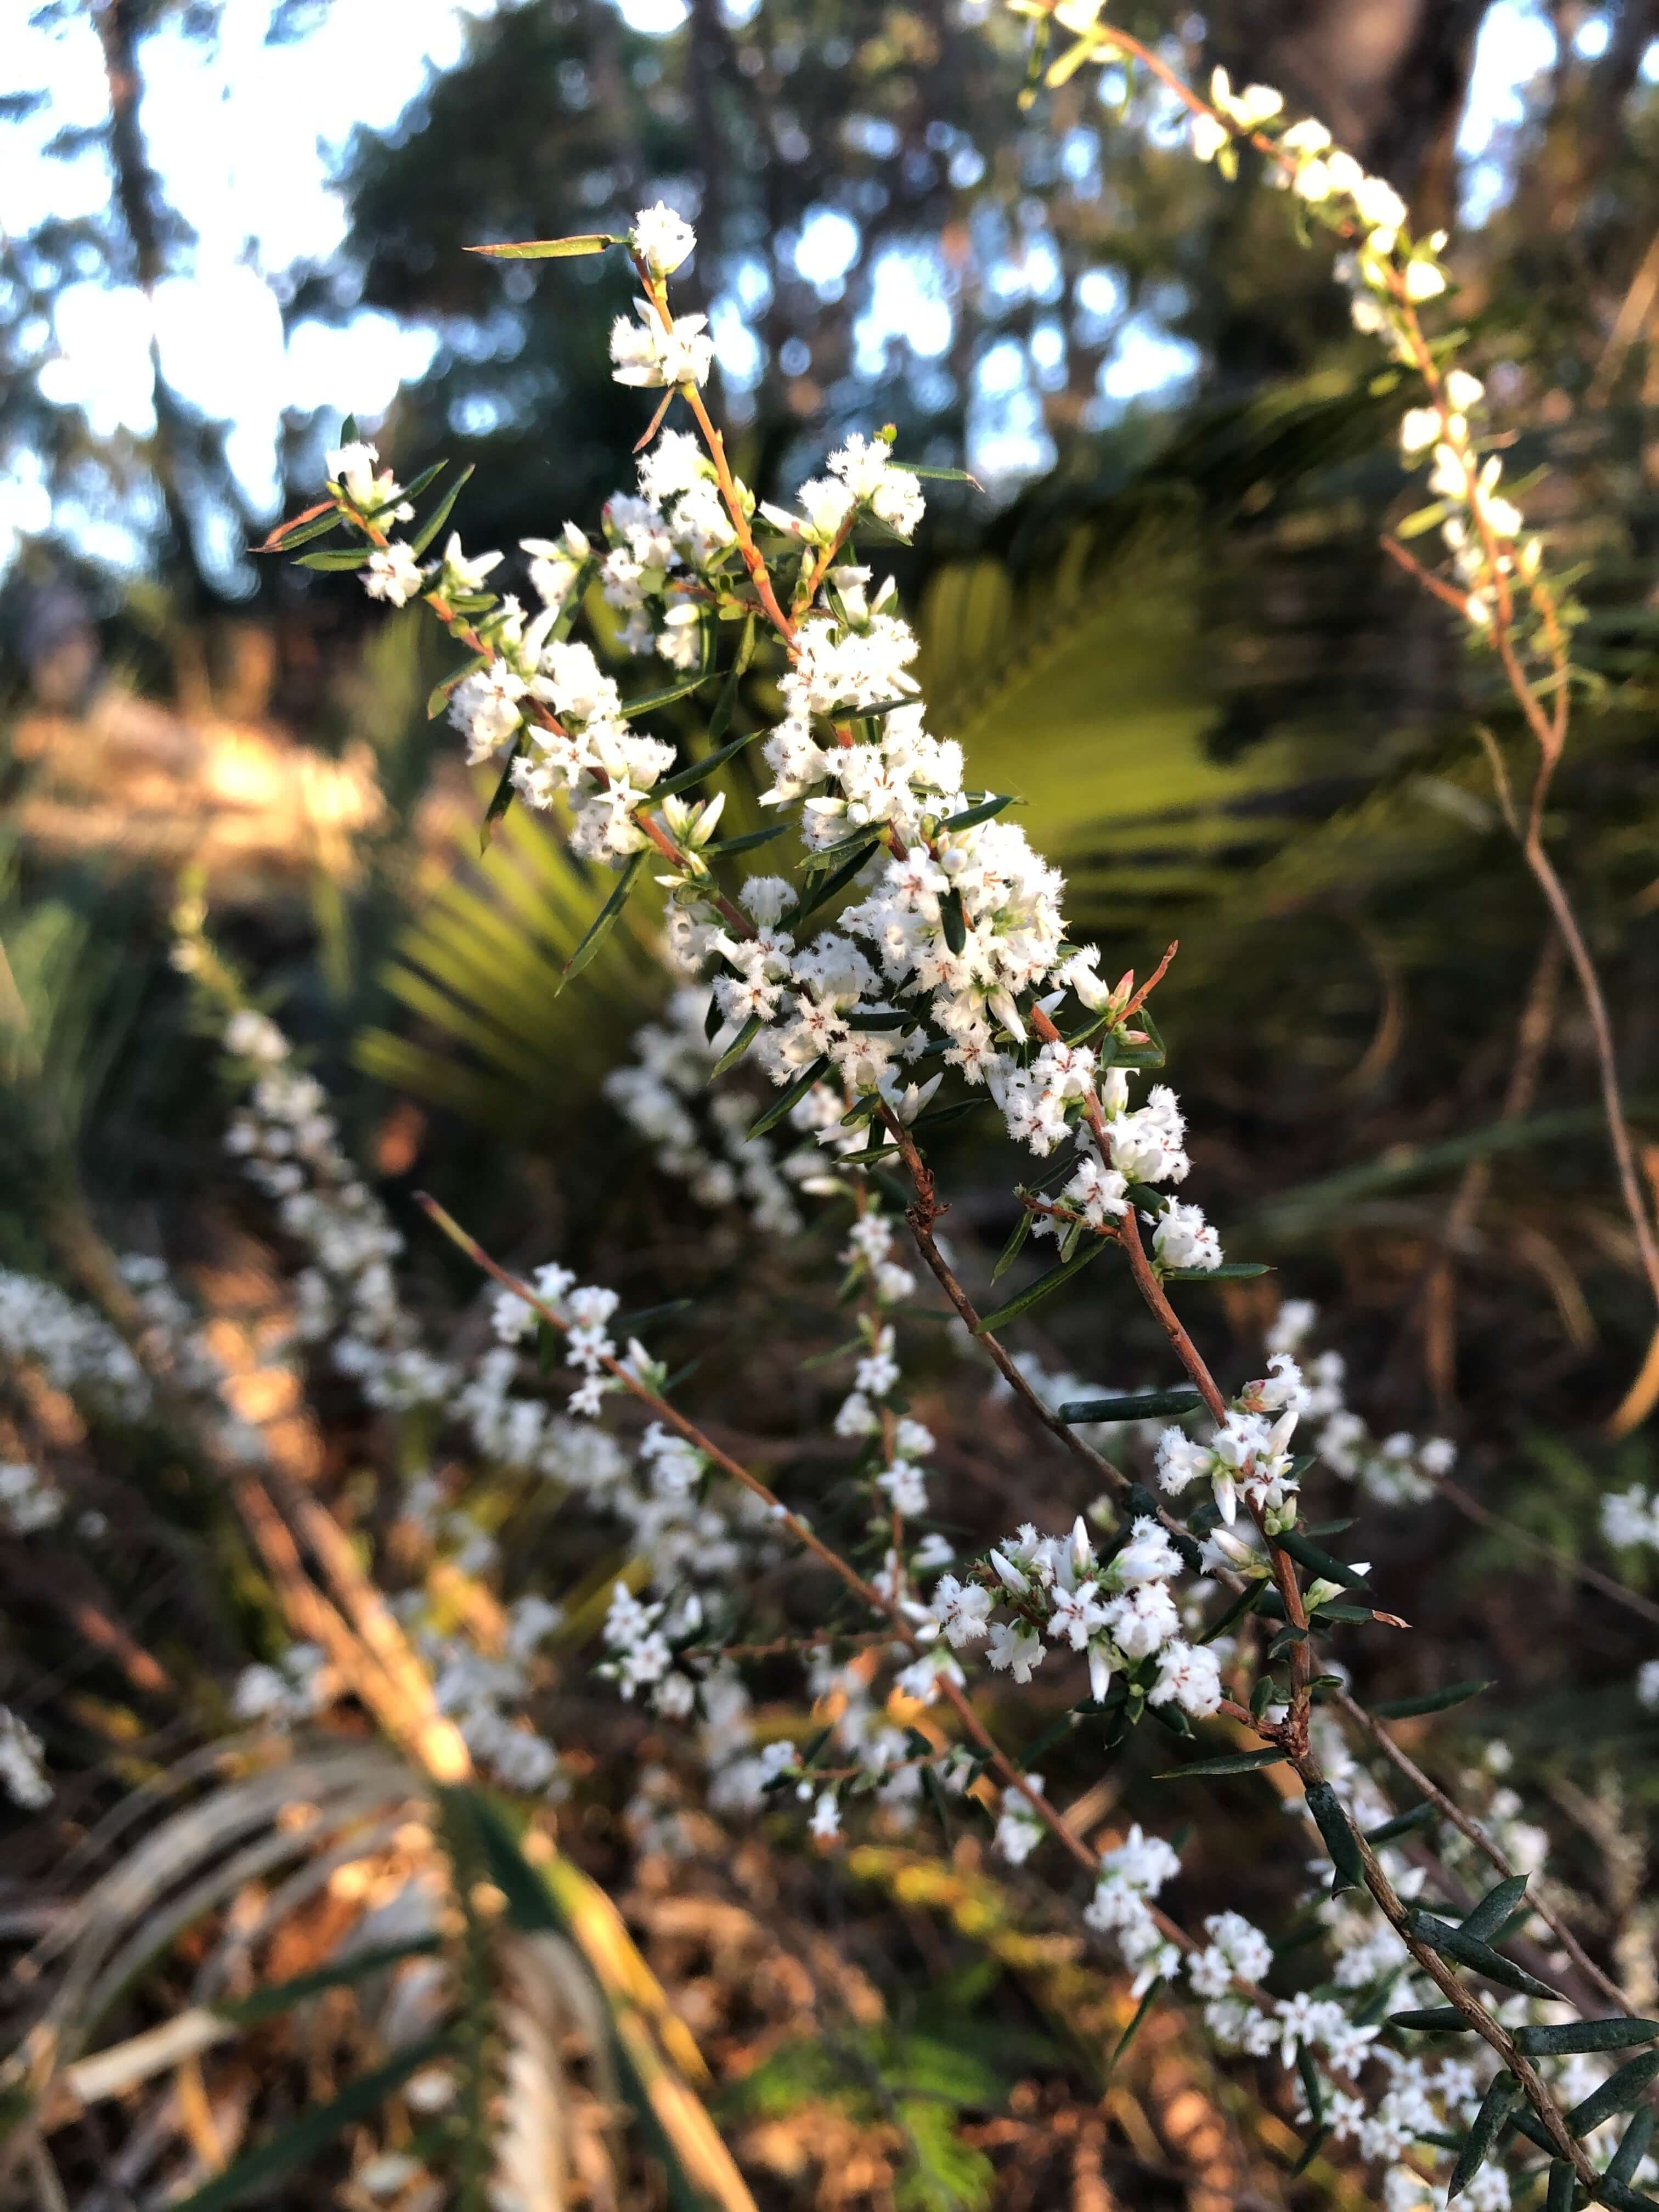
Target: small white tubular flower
point(825, 1823)
point(1424, 280)
point(648, 353)
point(23, 1771)
point(1420, 429)
point(662, 239)
point(392, 574)
point(1182, 1238)
point(1208, 137)
point(1190, 1675)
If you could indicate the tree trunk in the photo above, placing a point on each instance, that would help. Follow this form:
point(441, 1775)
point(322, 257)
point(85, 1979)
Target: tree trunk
point(1389, 76)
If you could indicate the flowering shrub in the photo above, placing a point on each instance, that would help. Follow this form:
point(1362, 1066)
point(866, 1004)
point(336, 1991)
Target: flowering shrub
point(910, 961)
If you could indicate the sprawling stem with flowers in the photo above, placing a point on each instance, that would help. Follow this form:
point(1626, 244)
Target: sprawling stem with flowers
point(950, 952)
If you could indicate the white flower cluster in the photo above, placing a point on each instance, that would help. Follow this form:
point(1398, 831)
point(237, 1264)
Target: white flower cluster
point(701, 1140)
point(1131, 1874)
point(1630, 1519)
point(1399, 1469)
point(585, 1308)
point(1390, 274)
point(1118, 1609)
point(1249, 1455)
point(288, 1144)
point(78, 1353)
point(29, 1499)
point(862, 473)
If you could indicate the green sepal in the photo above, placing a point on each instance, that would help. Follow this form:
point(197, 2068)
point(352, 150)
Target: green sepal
point(602, 922)
point(790, 1096)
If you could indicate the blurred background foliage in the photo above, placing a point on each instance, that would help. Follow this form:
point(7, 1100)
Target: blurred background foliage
point(1162, 618)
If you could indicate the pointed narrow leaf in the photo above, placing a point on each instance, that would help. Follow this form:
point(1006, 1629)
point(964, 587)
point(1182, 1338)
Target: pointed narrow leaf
point(1418, 1816)
point(429, 474)
point(1310, 2151)
point(740, 1045)
point(502, 797)
point(1558, 2197)
point(438, 697)
point(1147, 2001)
point(1010, 1250)
point(300, 533)
point(283, 536)
point(602, 922)
point(1633, 2146)
point(1437, 2020)
point(1319, 1563)
point(747, 842)
point(1452, 1943)
point(439, 514)
point(1485, 1919)
point(790, 1096)
point(1573, 2035)
point(354, 1967)
point(1621, 2196)
point(1340, 1842)
point(1616, 2094)
point(1311, 2089)
point(1236, 1762)
point(1525, 2122)
point(1132, 1406)
point(310, 2131)
point(725, 704)
point(833, 884)
point(1231, 1271)
point(683, 779)
point(937, 475)
point(356, 559)
point(549, 249)
point(1034, 1293)
point(1433, 1701)
point(1503, 2094)
point(992, 804)
point(666, 696)
point(953, 920)
point(1246, 1601)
